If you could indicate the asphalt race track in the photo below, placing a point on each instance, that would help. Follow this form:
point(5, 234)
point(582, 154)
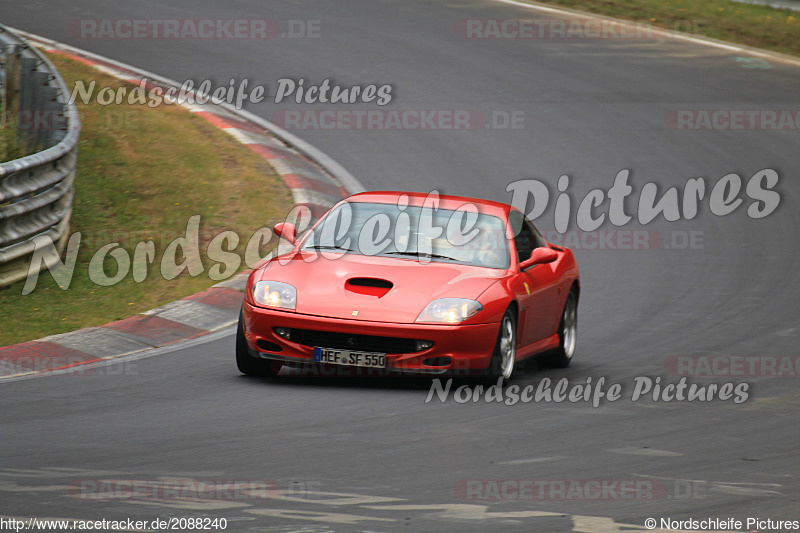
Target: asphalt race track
point(349, 454)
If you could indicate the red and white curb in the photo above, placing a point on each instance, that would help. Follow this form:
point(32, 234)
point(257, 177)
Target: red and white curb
point(314, 179)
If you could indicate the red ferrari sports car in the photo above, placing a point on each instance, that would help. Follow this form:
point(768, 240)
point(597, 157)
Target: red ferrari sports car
point(412, 283)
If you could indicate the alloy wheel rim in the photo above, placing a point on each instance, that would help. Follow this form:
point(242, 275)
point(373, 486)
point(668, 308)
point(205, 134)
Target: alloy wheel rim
point(570, 329)
point(507, 348)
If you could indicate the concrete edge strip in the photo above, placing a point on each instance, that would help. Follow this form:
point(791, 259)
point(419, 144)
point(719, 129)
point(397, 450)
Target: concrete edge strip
point(697, 39)
point(314, 179)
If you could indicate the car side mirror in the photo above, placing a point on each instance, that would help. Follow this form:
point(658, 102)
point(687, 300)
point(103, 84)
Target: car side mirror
point(538, 257)
point(285, 230)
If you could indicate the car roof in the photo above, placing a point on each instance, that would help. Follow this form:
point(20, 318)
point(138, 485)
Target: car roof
point(446, 201)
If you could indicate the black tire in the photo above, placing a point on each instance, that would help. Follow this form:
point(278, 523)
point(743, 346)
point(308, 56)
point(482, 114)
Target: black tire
point(567, 332)
point(503, 362)
point(248, 364)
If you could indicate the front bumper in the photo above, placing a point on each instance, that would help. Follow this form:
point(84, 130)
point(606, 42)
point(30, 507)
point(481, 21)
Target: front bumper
point(457, 349)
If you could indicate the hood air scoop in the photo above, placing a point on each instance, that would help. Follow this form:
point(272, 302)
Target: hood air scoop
point(369, 286)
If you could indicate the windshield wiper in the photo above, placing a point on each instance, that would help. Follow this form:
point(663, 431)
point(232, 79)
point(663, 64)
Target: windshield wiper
point(424, 254)
point(328, 247)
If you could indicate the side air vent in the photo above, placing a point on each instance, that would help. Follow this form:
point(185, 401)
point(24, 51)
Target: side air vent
point(268, 346)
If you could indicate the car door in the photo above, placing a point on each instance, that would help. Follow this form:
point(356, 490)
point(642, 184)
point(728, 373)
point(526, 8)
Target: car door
point(539, 302)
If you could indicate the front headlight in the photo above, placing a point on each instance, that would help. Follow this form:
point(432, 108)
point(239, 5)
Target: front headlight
point(449, 310)
point(275, 294)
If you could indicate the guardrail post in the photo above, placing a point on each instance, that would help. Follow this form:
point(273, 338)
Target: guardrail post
point(11, 100)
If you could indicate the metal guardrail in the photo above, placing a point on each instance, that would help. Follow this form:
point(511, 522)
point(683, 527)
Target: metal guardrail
point(35, 191)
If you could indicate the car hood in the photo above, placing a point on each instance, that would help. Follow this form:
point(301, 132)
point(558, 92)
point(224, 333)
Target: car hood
point(344, 285)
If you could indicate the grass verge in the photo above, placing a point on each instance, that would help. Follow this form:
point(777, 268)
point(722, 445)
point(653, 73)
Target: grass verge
point(9, 147)
point(142, 173)
point(749, 24)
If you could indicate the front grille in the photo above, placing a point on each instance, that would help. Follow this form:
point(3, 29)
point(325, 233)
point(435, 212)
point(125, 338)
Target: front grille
point(350, 341)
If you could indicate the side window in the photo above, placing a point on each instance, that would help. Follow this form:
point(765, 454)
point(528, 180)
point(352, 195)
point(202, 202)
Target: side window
point(539, 239)
point(527, 239)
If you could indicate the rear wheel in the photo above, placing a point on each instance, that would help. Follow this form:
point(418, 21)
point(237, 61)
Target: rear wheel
point(505, 350)
point(567, 332)
point(250, 365)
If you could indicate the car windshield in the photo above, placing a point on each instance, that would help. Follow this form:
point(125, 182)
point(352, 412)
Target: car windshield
point(462, 235)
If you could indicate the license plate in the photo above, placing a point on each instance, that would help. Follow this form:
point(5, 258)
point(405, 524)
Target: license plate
point(334, 356)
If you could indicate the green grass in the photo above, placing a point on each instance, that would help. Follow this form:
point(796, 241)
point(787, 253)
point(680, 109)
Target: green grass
point(752, 25)
point(9, 146)
point(142, 173)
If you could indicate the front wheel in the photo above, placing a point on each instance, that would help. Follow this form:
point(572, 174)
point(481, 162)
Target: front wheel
point(567, 332)
point(248, 364)
point(504, 357)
